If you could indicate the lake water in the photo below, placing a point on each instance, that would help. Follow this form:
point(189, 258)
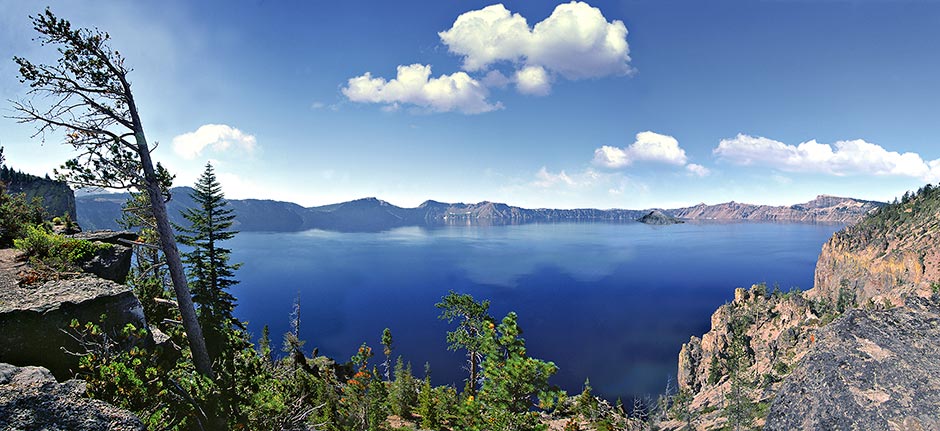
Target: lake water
point(609, 302)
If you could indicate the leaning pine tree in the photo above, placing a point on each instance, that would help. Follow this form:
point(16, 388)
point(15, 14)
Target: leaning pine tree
point(87, 95)
point(210, 273)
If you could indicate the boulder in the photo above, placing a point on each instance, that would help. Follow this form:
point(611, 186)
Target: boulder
point(31, 399)
point(869, 370)
point(112, 263)
point(33, 320)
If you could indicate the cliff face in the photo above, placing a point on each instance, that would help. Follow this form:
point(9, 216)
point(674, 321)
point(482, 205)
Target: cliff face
point(57, 198)
point(822, 209)
point(371, 214)
point(889, 258)
point(776, 329)
point(890, 255)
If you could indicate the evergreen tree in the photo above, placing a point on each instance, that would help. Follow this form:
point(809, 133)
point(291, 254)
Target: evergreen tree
point(426, 403)
point(402, 395)
point(470, 335)
point(211, 274)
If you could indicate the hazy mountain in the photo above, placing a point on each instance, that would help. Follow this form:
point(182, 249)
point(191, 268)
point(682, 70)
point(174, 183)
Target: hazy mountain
point(370, 214)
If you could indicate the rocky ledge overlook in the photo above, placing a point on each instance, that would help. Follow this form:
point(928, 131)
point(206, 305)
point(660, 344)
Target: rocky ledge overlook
point(34, 317)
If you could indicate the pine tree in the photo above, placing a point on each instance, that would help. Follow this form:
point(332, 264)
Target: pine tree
point(211, 274)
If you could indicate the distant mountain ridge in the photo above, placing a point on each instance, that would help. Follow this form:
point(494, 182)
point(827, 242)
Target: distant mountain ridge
point(370, 214)
point(824, 208)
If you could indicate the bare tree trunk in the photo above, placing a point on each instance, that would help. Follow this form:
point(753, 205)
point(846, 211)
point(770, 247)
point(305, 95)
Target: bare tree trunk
point(473, 373)
point(184, 298)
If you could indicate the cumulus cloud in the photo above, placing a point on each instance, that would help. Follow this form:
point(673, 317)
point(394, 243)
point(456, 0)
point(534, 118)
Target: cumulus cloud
point(576, 41)
point(648, 147)
point(414, 85)
point(533, 80)
point(218, 137)
point(840, 158)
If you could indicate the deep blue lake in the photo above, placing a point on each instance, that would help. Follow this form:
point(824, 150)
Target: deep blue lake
point(609, 302)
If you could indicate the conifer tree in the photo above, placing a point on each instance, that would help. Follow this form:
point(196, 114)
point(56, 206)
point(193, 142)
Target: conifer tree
point(211, 275)
point(86, 93)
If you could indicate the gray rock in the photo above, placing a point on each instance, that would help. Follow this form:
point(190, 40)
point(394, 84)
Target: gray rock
point(869, 370)
point(31, 399)
point(112, 263)
point(32, 320)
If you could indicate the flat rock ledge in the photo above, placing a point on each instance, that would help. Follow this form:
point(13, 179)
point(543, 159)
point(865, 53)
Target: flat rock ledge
point(869, 370)
point(32, 319)
point(31, 399)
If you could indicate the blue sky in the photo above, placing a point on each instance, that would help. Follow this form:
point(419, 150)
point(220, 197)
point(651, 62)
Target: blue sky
point(627, 104)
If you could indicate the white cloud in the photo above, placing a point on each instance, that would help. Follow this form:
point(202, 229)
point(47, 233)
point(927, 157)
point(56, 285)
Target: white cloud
point(840, 158)
point(414, 85)
point(544, 178)
point(611, 157)
point(488, 35)
point(533, 80)
point(576, 41)
point(697, 170)
point(218, 137)
point(648, 146)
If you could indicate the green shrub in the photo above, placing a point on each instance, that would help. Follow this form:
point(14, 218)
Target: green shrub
point(16, 215)
point(56, 251)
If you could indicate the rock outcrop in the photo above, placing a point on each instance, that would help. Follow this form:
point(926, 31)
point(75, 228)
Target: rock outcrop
point(57, 198)
point(889, 256)
point(777, 329)
point(31, 399)
point(33, 319)
point(869, 370)
point(873, 368)
point(113, 263)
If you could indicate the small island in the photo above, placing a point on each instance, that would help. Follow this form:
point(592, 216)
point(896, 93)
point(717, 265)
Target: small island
point(657, 218)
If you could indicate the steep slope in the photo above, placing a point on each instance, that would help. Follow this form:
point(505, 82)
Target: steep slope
point(57, 197)
point(888, 259)
point(891, 254)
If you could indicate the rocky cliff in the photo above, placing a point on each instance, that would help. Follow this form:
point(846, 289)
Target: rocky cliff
point(57, 198)
point(888, 256)
point(776, 330)
point(870, 281)
point(371, 214)
point(31, 399)
point(822, 209)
